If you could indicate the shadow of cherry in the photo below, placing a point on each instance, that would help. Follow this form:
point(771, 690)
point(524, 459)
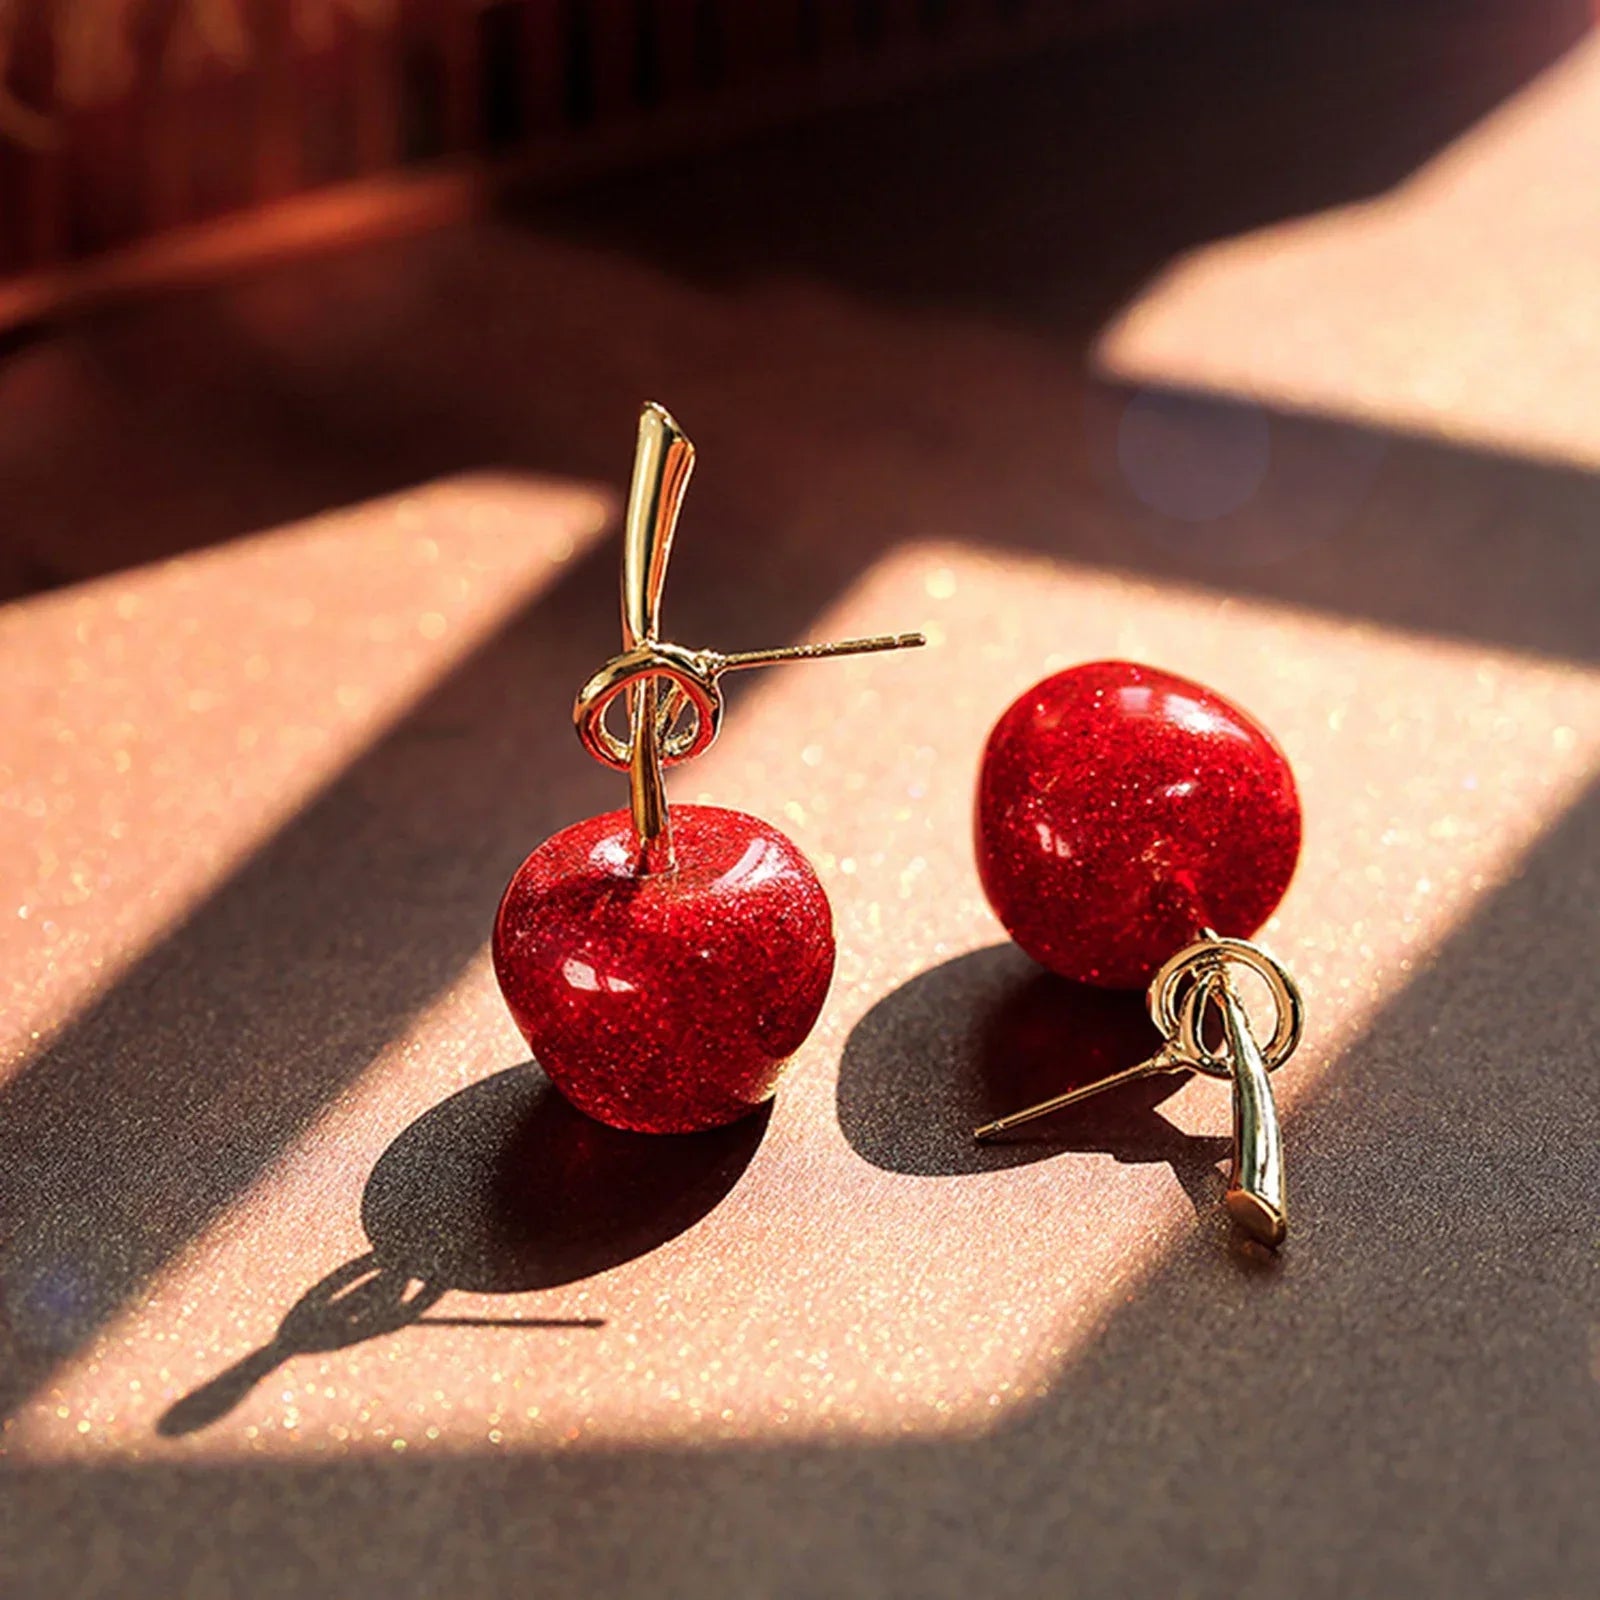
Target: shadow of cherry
point(501, 1189)
point(991, 1032)
point(504, 1188)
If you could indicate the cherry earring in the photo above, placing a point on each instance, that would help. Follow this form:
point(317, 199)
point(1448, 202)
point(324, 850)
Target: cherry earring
point(664, 965)
point(1134, 827)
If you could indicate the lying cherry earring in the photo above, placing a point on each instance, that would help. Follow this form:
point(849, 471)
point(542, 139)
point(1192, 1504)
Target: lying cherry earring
point(1134, 827)
point(664, 966)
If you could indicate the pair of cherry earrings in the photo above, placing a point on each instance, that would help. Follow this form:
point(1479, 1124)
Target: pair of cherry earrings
point(1132, 828)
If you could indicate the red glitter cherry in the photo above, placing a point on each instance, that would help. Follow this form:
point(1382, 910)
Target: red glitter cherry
point(665, 1002)
point(1121, 810)
point(665, 965)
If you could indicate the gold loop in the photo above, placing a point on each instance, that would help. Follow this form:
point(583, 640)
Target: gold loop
point(1209, 957)
point(692, 675)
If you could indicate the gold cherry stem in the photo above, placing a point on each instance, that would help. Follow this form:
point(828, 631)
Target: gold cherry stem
point(662, 462)
point(647, 789)
point(1256, 1192)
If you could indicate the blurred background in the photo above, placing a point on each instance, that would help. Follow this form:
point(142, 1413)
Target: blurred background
point(247, 249)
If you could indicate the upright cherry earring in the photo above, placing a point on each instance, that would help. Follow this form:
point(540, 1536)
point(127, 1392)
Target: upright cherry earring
point(1134, 827)
point(664, 966)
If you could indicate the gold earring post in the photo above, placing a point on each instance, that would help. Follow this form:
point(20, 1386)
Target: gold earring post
point(1194, 982)
point(739, 660)
point(1164, 1060)
point(663, 460)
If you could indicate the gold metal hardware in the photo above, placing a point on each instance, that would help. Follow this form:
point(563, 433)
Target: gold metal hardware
point(1194, 985)
point(658, 735)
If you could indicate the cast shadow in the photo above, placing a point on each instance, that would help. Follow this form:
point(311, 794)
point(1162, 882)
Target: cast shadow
point(990, 1032)
point(133, 1127)
point(504, 1188)
point(501, 1189)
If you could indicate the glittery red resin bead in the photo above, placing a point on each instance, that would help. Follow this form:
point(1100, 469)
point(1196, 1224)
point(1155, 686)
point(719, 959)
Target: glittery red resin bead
point(670, 1002)
point(1121, 810)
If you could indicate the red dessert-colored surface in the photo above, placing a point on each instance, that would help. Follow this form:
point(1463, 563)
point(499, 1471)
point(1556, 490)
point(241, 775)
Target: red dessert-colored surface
point(668, 1002)
point(1122, 809)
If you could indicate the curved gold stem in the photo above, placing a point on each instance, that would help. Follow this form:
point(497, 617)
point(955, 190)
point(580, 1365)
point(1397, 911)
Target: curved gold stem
point(663, 459)
point(1191, 984)
point(1257, 1200)
point(662, 462)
